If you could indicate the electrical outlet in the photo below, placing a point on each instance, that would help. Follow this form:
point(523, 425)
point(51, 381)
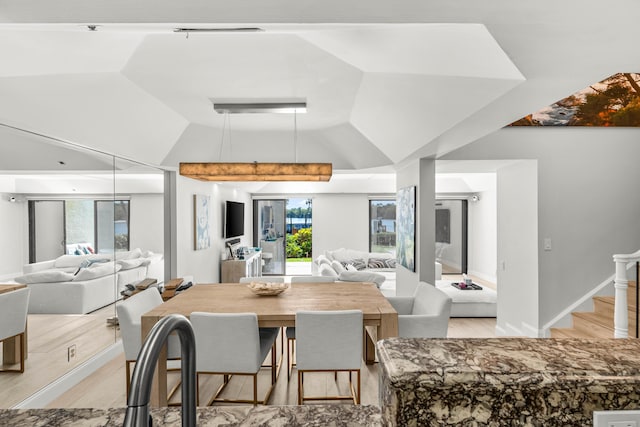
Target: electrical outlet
point(616, 419)
point(71, 352)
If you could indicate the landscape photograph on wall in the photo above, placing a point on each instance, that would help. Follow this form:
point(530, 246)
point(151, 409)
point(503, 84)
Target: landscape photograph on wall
point(614, 101)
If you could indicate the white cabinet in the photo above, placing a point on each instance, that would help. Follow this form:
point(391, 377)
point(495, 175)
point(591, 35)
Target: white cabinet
point(233, 269)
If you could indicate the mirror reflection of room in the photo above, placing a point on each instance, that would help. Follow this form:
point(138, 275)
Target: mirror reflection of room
point(77, 235)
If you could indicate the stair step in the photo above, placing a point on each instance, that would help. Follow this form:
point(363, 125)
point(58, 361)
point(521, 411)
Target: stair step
point(595, 324)
point(607, 305)
point(568, 333)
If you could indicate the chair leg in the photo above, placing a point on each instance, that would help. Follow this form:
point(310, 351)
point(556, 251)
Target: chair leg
point(300, 390)
point(273, 363)
point(291, 351)
point(23, 348)
point(255, 389)
point(359, 389)
point(127, 364)
point(197, 389)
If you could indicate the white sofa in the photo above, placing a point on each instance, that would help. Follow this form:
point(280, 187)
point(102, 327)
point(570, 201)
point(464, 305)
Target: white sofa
point(79, 284)
point(380, 263)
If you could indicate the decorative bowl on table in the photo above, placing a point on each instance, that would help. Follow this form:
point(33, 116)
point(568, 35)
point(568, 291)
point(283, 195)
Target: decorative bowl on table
point(267, 288)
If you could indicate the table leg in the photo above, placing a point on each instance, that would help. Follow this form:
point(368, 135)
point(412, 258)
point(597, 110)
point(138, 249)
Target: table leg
point(11, 349)
point(370, 344)
point(159, 385)
point(387, 328)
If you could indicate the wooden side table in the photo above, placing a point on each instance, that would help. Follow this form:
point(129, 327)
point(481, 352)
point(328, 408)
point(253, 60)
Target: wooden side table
point(170, 288)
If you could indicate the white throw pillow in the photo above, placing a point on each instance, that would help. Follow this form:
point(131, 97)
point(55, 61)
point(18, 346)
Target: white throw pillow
point(327, 270)
point(362, 276)
point(45, 276)
point(351, 267)
point(97, 270)
point(128, 264)
point(339, 268)
point(323, 260)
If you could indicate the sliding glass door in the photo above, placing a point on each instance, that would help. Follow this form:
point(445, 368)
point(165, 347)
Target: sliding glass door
point(270, 234)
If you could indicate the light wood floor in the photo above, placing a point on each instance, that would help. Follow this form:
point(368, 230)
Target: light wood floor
point(106, 387)
point(49, 337)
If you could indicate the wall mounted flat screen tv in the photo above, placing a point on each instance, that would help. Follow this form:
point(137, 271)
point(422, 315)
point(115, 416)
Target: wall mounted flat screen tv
point(443, 226)
point(234, 219)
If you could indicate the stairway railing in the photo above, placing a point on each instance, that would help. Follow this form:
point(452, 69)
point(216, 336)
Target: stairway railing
point(621, 284)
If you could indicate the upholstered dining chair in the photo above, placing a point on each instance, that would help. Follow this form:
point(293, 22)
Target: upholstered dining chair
point(291, 330)
point(230, 344)
point(423, 315)
point(13, 320)
point(267, 331)
point(129, 313)
point(329, 341)
point(271, 279)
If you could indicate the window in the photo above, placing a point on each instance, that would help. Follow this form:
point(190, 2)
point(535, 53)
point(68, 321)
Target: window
point(100, 224)
point(382, 229)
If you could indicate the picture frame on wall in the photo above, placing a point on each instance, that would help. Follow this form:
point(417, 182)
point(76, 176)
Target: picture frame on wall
point(202, 239)
point(406, 223)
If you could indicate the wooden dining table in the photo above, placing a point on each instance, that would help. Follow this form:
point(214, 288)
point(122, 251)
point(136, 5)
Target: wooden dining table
point(379, 317)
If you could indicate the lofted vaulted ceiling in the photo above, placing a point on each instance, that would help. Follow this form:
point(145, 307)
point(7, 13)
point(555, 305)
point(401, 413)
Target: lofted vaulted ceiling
point(385, 82)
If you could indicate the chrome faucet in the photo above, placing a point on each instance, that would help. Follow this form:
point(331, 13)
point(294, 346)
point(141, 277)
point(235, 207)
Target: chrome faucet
point(137, 414)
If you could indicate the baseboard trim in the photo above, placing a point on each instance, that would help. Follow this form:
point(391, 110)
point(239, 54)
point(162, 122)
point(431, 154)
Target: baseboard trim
point(61, 385)
point(531, 331)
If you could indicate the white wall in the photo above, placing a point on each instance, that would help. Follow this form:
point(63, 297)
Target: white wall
point(518, 249)
point(146, 222)
point(340, 221)
point(204, 265)
point(587, 202)
point(482, 238)
point(13, 221)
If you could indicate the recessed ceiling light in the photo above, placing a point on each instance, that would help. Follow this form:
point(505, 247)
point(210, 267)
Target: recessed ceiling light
point(218, 30)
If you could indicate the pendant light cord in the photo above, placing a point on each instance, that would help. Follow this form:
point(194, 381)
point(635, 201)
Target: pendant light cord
point(224, 125)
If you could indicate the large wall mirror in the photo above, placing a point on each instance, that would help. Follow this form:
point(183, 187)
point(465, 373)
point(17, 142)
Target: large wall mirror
point(78, 226)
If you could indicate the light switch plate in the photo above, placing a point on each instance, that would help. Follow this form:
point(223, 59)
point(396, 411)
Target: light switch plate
point(616, 418)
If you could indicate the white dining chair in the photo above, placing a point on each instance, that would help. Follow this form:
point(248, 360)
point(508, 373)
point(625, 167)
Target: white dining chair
point(329, 341)
point(230, 344)
point(270, 279)
point(129, 313)
point(291, 330)
point(423, 315)
point(13, 320)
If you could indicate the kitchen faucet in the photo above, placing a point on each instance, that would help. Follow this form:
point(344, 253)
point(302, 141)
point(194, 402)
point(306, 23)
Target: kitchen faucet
point(137, 414)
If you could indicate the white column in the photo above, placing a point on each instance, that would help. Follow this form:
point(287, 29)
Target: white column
point(621, 283)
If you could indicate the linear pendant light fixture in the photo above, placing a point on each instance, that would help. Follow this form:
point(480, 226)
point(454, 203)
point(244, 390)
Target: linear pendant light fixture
point(230, 171)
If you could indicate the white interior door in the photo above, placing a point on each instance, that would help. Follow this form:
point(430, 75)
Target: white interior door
point(47, 229)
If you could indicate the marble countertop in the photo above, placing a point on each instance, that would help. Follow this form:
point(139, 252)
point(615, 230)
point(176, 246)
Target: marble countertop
point(499, 360)
point(246, 416)
point(506, 381)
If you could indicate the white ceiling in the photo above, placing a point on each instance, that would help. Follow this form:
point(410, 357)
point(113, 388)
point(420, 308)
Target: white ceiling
point(385, 82)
